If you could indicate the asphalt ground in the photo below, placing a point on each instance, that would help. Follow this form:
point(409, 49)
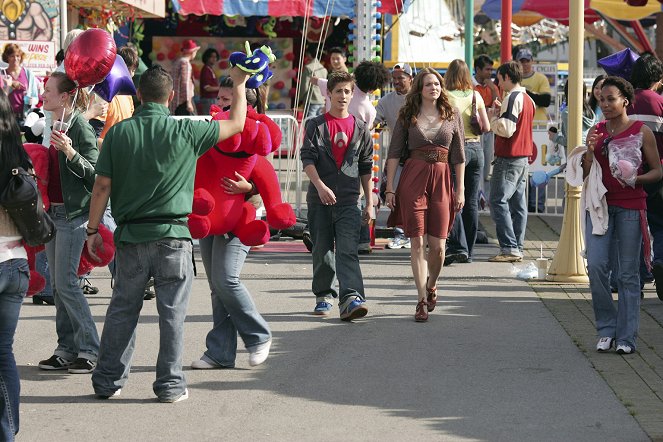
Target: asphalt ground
point(500, 359)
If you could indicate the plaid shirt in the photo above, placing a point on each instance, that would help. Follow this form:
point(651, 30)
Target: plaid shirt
point(183, 85)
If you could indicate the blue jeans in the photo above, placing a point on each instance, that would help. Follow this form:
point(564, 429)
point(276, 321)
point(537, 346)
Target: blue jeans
point(14, 276)
point(536, 198)
point(77, 332)
point(464, 232)
point(41, 265)
point(473, 173)
point(488, 147)
point(508, 205)
point(655, 220)
point(233, 310)
point(335, 234)
point(456, 241)
point(168, 261)
point(625, 235)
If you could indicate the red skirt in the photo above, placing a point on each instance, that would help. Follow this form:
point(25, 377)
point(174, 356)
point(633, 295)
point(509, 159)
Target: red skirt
point(424, 200)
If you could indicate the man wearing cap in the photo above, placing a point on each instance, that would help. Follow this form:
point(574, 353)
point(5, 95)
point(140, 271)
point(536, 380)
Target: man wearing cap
point(537, 85)
point(183, 85)
point(387, 112)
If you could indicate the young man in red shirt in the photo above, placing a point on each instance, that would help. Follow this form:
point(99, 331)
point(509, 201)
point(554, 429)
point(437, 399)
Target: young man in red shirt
point(337, 158)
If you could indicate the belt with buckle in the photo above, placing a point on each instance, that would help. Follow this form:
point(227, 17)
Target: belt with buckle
point(437, 155)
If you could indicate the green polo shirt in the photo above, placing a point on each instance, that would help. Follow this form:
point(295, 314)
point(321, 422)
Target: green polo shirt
point(151, 161)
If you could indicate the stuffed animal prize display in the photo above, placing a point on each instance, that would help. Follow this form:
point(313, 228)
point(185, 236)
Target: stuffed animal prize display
point(166, 50)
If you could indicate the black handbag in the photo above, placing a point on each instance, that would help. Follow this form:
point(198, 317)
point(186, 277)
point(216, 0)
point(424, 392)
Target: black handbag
point(22, 200)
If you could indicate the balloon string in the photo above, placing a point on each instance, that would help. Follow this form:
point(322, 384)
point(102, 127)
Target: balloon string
point(71, 114)
point(90, 97)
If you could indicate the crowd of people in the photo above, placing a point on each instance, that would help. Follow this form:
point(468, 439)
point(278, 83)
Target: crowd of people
point(132, 170)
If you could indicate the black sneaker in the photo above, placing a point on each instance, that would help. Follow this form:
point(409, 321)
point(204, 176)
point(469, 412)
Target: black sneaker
point(149, 291)
point(82, 366)
point(55, 363)
point(88, 288)
point(657, 271)
point(40, 299)
point(455, 257)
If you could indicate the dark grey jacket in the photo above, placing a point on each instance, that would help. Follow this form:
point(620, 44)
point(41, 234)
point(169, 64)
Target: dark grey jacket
point(344, 182)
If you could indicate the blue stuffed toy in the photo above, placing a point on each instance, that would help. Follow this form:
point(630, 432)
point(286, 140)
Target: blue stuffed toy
point(256, 64)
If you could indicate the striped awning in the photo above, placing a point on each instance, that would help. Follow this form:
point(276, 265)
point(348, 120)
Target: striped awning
point(281, 8)
point(559, 10)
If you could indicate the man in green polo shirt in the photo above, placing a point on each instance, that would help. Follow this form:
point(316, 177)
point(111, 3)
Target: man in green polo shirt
point(150, 159)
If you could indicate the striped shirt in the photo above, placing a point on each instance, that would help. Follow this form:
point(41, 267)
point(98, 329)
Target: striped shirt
point(183, 86)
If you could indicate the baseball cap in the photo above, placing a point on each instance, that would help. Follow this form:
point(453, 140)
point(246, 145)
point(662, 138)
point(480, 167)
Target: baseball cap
point(402, 67)
point(524, 53)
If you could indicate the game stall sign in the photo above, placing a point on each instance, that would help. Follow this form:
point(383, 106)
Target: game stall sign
point(39, 55)
point(166, 50)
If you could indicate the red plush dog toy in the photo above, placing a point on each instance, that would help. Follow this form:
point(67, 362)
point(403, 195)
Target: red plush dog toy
point(39, 157)
point(215, 212)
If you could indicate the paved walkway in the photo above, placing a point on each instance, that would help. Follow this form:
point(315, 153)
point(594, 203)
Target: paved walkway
point(499, 359)
point(637, 380)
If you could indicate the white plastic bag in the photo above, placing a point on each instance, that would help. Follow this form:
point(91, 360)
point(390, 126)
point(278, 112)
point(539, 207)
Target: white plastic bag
point(527, 271)
point(625, 158)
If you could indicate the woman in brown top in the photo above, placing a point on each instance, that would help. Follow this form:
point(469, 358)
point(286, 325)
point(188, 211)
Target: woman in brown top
point(425, 201)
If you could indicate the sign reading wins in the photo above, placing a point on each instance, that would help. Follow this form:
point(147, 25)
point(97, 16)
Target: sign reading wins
point(39, 55)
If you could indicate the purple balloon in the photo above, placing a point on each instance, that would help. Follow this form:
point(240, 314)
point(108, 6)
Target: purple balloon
point(118, 82)
point(620, 63)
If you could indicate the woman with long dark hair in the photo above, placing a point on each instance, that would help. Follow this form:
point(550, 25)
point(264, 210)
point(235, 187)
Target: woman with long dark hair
point(14, 273)
point(425, 201)
point(209, 85)
point(73, 155)
point(588, 118)
point(595, 95)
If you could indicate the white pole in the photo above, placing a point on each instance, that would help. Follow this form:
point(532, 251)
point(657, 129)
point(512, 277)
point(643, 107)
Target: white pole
point(63, 22)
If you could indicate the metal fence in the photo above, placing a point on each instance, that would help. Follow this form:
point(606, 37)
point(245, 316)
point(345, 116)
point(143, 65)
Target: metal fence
point(294, 183)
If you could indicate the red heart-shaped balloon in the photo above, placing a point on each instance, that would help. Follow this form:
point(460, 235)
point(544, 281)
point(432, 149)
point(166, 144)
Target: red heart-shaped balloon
point(90, 57)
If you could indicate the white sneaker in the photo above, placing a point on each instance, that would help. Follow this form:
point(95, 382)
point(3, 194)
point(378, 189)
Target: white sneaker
point(259, 353)
point(115, 394)
point(182, 397)
point(604, 344)
point(623, 349)
point(203, 365)
point(399, 242)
